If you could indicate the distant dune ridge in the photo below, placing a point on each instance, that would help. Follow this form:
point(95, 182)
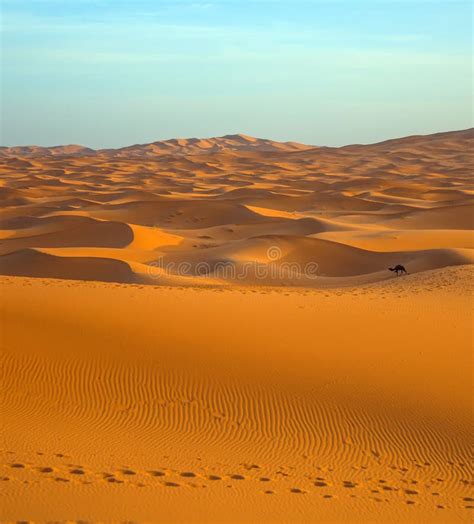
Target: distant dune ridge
point(237, 142)
point(206, 331)
point(175, 146)
point(219, 196)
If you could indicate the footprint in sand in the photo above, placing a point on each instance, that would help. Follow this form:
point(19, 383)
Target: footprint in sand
point(250, 466)
point(349, 484)
point(45, 470)
point(297, 490)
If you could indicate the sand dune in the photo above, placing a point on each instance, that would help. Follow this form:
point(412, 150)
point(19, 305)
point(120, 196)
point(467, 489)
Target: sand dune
point(206, 330)
point(450, 217)
point(175, 146)
point(281, 423)
point(451, 140)
point(402, 240)
point(275, 260)
point(35, 263)
point(67, 232)
point(176, 214)
point(213, 196)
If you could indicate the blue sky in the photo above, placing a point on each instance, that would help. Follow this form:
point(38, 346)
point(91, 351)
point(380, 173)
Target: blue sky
point(107, 73)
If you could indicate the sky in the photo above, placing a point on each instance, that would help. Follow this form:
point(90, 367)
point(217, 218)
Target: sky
point(110, 73)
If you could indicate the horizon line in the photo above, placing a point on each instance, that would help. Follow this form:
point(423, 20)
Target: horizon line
point(234, 135)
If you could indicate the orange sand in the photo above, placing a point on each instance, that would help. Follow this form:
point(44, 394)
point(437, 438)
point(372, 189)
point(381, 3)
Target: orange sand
point(132, 391)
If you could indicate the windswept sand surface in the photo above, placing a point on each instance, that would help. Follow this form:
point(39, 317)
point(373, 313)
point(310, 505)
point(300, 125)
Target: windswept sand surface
point(129, 402)
point(301, 383)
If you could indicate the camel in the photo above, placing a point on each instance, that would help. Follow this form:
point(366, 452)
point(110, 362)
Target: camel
point(399, 270)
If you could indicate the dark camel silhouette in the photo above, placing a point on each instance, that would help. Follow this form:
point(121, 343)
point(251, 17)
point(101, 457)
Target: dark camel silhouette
point(399, 270)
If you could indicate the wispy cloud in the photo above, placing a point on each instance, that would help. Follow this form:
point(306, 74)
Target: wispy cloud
point(272, 63)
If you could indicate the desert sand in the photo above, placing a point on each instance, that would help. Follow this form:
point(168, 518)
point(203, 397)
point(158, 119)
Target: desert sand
point(207, 331)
